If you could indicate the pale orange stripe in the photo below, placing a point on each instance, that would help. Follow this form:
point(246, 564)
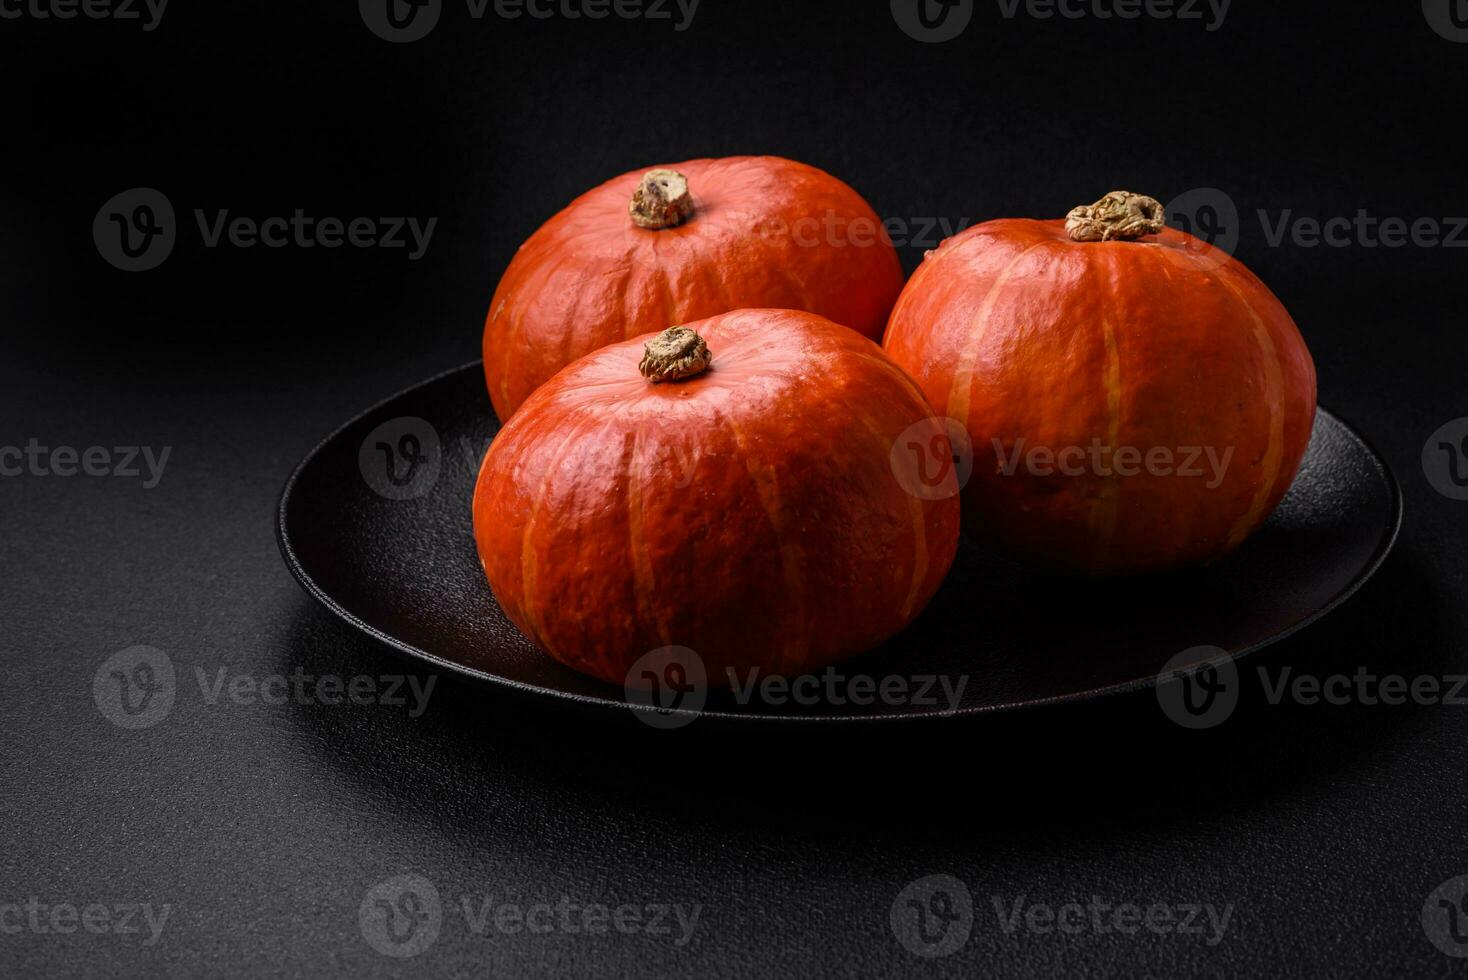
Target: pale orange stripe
point(528, 570)
point(896, 374)
point(1274, 453)
point(919, 524)
point(643, 580)
point(1108, 503)
point(797, 648)
point(961, 392)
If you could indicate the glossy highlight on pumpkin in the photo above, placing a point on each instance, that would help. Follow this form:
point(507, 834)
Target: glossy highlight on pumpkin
point(750, 512)
point(1032, 340)
point(762, 232)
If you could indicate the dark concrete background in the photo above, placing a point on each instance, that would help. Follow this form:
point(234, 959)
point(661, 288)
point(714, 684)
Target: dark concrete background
point(263, 828)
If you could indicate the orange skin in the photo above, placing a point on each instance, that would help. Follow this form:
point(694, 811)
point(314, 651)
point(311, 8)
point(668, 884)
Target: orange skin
point(750, 513)
point(757, 238)
point(1018, 332)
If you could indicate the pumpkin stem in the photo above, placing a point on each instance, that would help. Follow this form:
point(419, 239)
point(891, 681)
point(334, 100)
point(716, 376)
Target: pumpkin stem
point(661, 200)
point(1120, 215)
point(673, 355)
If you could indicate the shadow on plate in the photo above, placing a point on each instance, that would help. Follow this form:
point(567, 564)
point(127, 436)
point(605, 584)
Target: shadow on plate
point(1114, 766)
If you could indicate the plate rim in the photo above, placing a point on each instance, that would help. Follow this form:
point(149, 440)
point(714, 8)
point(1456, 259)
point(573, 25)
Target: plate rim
point(568, 698)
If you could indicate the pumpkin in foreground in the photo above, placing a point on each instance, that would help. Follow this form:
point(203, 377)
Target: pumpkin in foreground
point(1137, 400)
point(680, 243)
point(729, 487)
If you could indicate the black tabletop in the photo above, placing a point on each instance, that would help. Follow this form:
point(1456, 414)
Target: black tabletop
point(295, 800)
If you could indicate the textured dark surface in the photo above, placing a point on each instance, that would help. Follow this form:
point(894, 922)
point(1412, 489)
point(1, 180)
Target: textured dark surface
point(263, 827)
point(402, 568)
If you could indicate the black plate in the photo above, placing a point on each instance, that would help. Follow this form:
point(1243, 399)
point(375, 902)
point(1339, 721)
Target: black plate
point(398, 563)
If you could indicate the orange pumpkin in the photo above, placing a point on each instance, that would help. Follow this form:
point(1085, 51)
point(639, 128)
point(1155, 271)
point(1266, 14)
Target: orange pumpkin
point(729, 487)
point(1136, 399)
point(679, 244)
